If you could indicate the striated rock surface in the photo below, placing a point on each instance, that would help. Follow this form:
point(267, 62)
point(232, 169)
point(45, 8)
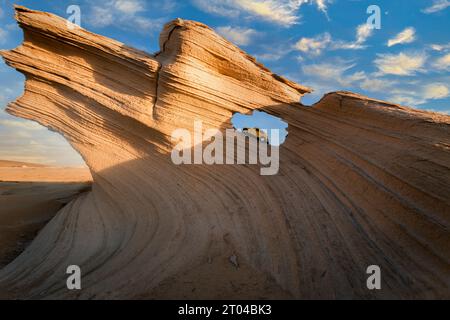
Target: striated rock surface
point(361, 182)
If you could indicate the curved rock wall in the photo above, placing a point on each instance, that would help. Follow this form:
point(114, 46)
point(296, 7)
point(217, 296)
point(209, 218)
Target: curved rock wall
point(361, 182)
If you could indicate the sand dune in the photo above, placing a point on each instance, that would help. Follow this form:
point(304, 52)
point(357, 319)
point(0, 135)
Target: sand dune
point(361, 181)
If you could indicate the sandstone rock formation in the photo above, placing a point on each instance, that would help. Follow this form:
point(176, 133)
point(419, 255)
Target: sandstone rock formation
point(361, 182)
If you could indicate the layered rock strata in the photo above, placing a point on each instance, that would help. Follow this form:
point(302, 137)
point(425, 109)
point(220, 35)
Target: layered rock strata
point(361, 182)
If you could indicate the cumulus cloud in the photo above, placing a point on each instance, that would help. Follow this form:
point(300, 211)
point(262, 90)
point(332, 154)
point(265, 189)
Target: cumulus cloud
point(237, 35)
point(406, 36)
point(314, 45)
point(340, 74)
point(435, 91)
point(442, 63)
point(284, 12)
point(401, 64)
point(438, 5)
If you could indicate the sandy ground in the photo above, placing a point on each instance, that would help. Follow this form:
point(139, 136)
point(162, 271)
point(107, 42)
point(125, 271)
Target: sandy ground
point(30, 195)
point(11, 171)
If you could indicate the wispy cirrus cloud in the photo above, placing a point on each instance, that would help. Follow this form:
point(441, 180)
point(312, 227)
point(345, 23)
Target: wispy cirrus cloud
point(124, 14)
point(363, 32)
point(402, 64)
point(440, 47)
point(237, 35)
point(373, 84)
point(406, 36)
point(334, 73)
point(283, 12)
point(438, 5)
point(419, 95)
point(316, 45)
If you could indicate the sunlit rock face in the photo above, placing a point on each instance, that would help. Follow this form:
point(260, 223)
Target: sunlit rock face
point(361, 182)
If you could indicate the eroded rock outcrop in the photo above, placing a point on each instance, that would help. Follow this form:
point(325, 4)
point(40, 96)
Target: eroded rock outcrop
point(361, 181)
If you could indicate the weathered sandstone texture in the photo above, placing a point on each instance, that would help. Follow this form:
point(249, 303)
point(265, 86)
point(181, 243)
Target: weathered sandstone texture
point(361, 182)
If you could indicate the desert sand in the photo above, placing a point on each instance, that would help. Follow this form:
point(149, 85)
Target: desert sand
point(361, 182)
point(13, 171)
point(30, 195)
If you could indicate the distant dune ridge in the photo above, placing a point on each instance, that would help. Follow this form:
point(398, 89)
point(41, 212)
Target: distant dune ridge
point(18, 164)
point(361, 182)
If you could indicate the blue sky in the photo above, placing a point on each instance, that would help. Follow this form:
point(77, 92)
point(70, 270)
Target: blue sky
point(319, 43)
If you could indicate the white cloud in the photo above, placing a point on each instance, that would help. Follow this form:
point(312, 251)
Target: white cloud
point(24, 140)
point(334, 73)
point(339, 74)
point(25, 125)
point(374, 84)
point(443, 63)
point(101, 17)
point(315, 45)
point(420, 95)
point(3, 35)
point(284, 12)
point(406, 36)
point(129, 6)
point(401, 64)
point(436, 91)
point(270, 56)
point(322, 5)
point(438, 5)
point(440, 47)
point(122, 14)
point(363, 32)
point(146, 24)
point(237, 35)
point(404, 99)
